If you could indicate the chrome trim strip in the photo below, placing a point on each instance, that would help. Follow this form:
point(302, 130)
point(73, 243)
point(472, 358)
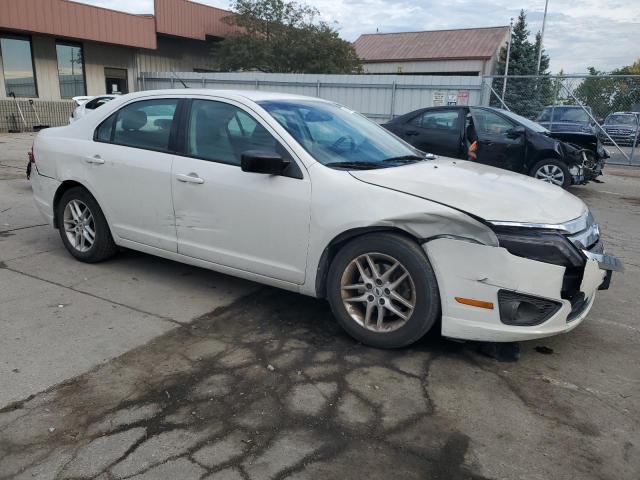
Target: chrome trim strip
point(572, 226)
point(586, 238)
point(605, 261)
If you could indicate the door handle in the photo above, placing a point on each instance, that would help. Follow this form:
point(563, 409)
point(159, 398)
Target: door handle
point(96, 160)
point(191, 178)
point(411, 132)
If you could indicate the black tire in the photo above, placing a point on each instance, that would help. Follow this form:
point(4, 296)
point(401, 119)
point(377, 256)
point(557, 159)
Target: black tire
point(103, 246)
point(415, 262)
point(552, 163)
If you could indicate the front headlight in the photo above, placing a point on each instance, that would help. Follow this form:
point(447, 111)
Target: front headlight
point(542, 246)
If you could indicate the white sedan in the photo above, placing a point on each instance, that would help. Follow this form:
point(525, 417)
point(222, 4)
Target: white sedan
point(85, 105)
point(310, 196)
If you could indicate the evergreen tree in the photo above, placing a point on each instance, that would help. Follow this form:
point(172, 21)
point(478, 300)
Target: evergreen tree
point(525, 96)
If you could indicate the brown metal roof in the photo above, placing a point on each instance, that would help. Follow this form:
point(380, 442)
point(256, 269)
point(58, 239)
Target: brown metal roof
point(64, 18)
point(79, 21)
point(184, 18)
point(439, 44)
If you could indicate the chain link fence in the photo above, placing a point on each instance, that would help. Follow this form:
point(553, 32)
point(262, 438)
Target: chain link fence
point(604, 105)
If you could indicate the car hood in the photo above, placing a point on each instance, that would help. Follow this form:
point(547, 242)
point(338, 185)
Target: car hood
point(486, 192)
point(567, 126)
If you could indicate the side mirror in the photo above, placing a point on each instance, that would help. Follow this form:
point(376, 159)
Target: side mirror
point(516, 131)
point(258, 161)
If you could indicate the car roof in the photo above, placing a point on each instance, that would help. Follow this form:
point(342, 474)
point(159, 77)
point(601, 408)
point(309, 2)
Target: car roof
point(565, 106)
point(253, 95)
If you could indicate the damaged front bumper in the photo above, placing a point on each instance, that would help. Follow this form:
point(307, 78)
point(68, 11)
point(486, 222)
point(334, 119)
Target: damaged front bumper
point(578, 176)
point(498, 278)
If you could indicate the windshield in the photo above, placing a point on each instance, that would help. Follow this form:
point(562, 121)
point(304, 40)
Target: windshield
point(621, 120)
point(536, 127)
point(570, 115)
point(338, 137)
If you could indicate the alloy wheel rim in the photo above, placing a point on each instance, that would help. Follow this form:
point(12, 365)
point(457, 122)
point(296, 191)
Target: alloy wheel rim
point(79, 225)
point(378, 292)
point(550, 173)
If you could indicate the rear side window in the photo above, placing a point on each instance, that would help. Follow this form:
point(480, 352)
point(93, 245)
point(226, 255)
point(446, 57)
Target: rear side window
point(145, 124)
point(438, 120)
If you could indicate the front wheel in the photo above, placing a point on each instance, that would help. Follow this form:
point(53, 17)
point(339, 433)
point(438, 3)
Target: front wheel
point(383, 291)
point(552, 171)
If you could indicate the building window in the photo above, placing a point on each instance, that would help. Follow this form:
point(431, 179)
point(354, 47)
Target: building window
point(70, 70)
point(17, 64)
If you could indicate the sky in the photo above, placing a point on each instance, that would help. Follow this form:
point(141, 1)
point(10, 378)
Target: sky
point(578, 33)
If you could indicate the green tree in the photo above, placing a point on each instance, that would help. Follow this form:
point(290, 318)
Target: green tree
point(606, 93)
point(525, 96)
point(281, 36)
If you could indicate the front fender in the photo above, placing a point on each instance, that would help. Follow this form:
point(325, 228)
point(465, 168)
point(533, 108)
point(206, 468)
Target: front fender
point(354, 207)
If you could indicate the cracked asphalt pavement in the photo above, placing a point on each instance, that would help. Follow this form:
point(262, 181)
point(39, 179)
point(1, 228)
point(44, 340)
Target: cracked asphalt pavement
point(147, 369)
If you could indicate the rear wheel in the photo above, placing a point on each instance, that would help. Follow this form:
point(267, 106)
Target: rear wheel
point(552, 171)
point(83, 228)
point(383, 291)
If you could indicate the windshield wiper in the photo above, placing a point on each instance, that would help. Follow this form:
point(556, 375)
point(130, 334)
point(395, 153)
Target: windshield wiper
point(404, 158)
point(355, 165)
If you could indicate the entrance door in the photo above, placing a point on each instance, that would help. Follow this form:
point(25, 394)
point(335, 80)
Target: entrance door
point(116, 80)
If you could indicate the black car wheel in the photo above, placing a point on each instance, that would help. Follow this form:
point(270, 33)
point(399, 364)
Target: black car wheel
point(383, 291)
point(552, 171)
point(83, 228)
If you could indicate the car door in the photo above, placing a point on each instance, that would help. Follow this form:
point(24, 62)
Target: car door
point(128, 166)
point(496, 145)
point(249, 221)
point(436, 131)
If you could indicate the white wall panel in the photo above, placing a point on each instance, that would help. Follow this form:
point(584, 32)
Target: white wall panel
point(372, 95)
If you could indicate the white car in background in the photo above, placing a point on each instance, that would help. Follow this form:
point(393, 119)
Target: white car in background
point(310, 196)
point(86, 104)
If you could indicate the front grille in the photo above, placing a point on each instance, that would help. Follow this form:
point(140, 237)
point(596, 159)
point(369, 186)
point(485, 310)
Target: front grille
point(571, 282)
point(617, 131)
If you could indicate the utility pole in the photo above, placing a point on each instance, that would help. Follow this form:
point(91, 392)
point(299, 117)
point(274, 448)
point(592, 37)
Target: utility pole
point(544, 21)
point(506, 63)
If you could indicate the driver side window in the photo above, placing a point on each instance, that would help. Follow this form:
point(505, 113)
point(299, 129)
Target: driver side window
point(220, 132)
point(490, 123)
